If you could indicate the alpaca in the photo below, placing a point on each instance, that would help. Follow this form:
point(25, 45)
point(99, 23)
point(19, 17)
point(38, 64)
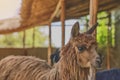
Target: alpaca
point(112, 74)
point(55, 57)
point(78, 60)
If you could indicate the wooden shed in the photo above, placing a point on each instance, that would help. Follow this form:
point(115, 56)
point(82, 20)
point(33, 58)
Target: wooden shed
point(44, 12)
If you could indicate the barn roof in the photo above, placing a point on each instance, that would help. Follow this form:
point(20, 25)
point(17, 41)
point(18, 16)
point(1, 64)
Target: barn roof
point(39, 12)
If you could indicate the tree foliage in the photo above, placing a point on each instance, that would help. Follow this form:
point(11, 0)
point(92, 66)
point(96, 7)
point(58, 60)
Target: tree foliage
point(16, 39)
point(102, 30)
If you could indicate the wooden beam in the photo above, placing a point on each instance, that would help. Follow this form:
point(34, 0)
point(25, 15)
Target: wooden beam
point(93, 13)
point(50, 45)
point(87, 21)
point(33, 37)
point(83, 6)
point(77, 13)
point(22, 27)
point(77, 8)
point(24, 38)
point(24, 47)
point(63, 21)
point(108, 40)
point(93, 19)
point(56, 11)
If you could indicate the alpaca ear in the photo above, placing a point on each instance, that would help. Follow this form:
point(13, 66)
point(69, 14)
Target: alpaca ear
point(75, 30)
point(91, 30)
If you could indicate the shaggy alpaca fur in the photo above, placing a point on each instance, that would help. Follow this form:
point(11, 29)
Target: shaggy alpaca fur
point(31, 68)
point(26, 68)
point(74, 64)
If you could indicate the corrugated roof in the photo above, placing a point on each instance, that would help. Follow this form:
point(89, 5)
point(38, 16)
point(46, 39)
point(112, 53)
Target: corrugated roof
point(38, 12)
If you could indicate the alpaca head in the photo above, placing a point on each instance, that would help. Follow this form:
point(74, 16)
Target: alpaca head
point(83, 47)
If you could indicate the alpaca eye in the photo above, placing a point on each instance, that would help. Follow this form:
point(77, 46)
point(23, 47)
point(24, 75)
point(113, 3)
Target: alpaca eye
point(81, 48)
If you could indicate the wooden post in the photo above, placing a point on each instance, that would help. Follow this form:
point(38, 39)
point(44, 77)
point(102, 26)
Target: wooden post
point(93, 19)
point(108, 40)
point(63, 21)
point(93, 13)
point(50, 45)
point(24, 47)
point(24, 37)
point(55, 13)
point(87, 21)
point(33, 37)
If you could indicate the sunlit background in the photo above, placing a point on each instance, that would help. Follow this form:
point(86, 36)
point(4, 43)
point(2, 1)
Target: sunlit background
point(11, 8)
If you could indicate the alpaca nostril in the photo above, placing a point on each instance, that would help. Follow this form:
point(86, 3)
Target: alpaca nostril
point(97, 57)
point(99, 60)
point(100, 56)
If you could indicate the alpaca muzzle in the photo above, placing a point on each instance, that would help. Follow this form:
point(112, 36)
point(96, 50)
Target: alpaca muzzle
point(99, 61)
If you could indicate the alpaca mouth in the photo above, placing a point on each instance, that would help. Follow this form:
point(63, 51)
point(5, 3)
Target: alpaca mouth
point(98, 64)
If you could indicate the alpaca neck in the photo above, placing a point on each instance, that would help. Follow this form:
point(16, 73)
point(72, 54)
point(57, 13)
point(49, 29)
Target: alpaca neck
point(69, 67)
point(92, 73)
point(74, 72)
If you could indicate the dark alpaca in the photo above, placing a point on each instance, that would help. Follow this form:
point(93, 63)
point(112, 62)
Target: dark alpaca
point(78, 59)
point(113, 74)
point(55, 56)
